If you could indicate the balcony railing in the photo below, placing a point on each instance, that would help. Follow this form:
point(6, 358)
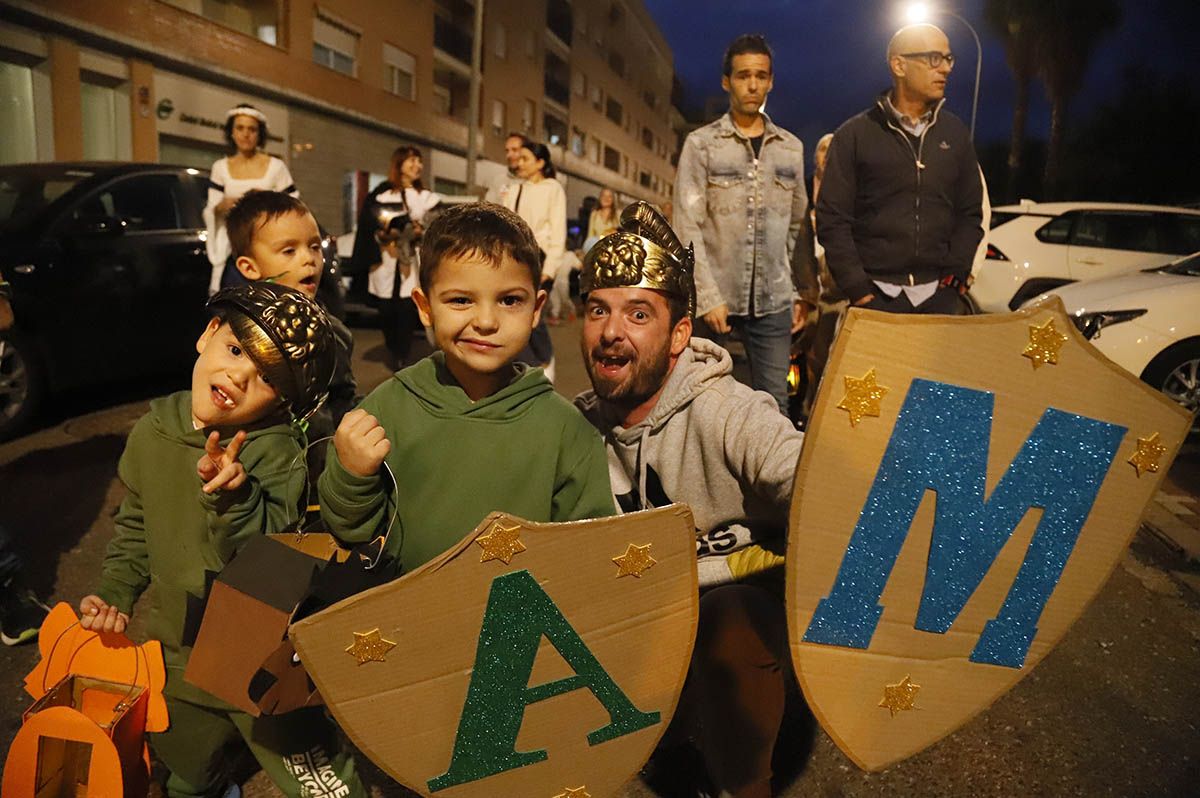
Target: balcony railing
point(557, 90)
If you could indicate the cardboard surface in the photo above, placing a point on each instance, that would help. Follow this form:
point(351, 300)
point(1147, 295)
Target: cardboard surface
point(405, 711)
point(932, 671)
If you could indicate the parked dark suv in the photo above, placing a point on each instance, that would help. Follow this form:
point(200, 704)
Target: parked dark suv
point(108, 274)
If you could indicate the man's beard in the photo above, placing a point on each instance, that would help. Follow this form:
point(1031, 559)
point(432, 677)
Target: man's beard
point(647, 375)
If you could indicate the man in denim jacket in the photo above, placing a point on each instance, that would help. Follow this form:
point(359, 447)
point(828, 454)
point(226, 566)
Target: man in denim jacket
point(740, 200)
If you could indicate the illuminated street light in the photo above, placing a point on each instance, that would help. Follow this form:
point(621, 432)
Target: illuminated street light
point(916, 13)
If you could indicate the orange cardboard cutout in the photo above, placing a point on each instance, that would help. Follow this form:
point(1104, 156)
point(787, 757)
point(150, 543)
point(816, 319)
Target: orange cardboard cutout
point(1035, 456)
point(529, 659)
point(96, 695)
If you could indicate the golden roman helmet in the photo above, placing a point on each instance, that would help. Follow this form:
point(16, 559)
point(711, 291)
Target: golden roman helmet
point(288, 337)
point(643, 253)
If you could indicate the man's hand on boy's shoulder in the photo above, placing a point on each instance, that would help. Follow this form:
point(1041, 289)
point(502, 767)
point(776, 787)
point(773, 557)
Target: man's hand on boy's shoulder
point(361, 443)
point(98, 616)
point(218, 467)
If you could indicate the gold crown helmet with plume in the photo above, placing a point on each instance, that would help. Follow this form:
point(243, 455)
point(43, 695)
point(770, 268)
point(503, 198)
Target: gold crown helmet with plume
point(643, 253)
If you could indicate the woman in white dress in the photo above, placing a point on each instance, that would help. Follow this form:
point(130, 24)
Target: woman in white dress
point(541, 201)
point(248, 168)
point(405, 204)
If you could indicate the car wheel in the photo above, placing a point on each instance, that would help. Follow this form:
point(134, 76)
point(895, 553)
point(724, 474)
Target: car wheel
point(21, 384)
point(1176, 372)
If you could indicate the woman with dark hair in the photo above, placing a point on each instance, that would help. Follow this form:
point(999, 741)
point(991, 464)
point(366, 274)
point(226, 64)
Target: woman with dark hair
point(247, 169)
point(397, 217)
point(540, 200)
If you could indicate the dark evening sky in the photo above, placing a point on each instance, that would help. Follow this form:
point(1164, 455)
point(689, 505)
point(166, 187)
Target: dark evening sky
point(830, 57)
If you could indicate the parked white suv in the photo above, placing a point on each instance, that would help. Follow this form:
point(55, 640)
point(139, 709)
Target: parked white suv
point(1036, 247)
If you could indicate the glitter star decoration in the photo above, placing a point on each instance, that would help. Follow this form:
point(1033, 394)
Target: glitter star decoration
point(1149, 452)
point(862, 397)
point(900, 697)
point(574, 792)
point(370, 647)
point(635, 561)
point(1044, 343)
point(501, 543)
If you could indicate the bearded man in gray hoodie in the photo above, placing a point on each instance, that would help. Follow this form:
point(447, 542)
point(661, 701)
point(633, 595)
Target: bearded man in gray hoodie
point(679, 428)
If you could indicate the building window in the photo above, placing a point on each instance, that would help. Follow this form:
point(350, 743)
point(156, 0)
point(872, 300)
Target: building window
point(581, 22)
point(19, 142)
point(335, 45)
point(593, 150)
point(499, 117)
point(452, 94)
point(528, 114)
point(530, 45)
point(613, 110)
point(612, 159)
point(644, 179)
point(597, 98)
point(399, 72)
point(649, 98)
point(556, 82)
point(555, 129)
point(577, 141)
point(500, 41)
point(579, 83)
point(257, 18)
point(558, 19)
point(616, 62)
point(648, 138)
point(106, 119)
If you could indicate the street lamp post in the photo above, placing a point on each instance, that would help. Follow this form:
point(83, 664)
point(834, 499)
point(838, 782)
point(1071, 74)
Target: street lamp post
point(919, 12)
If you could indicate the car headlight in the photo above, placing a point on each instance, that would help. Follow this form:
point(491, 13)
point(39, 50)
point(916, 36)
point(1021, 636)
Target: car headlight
point(1090, 324)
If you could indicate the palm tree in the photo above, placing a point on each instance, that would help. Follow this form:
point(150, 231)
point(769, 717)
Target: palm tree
point(1015, 22)
point(1068, 30)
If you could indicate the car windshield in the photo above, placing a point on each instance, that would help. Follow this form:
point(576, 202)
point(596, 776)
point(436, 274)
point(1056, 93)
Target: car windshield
point(25, 191)
point(1189, 266)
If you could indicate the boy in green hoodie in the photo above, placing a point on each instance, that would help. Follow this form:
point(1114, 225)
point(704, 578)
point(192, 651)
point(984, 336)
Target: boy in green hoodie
point(206, 470)
point(467, 430)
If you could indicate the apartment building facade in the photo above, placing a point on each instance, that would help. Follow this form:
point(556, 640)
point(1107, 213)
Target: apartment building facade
point(342, 83)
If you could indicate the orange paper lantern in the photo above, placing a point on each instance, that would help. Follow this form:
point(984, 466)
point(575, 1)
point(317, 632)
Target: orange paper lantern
point(95, 696)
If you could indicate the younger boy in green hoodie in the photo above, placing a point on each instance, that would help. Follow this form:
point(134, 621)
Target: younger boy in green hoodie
point(467, 430)
point(206, 470)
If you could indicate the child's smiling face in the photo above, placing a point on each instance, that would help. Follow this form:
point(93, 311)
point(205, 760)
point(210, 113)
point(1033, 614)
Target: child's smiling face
point(482, 315)
point(286, 250)
point(227, 389)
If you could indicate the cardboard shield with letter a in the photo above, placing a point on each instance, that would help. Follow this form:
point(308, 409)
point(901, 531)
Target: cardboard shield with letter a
point(966, 487)
point(529, 659)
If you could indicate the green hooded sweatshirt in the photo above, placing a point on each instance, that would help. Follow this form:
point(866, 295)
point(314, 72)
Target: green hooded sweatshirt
point(169, 532)
point(524, 450)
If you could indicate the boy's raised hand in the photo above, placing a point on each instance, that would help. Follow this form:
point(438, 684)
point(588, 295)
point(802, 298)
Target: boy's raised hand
point(97, 616)
point(361, 444)
point(219, 467)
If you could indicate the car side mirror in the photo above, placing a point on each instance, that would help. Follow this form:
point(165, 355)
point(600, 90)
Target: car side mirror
point(96, 225)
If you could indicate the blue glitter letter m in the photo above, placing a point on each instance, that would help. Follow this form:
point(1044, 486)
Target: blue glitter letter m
point(940, 443)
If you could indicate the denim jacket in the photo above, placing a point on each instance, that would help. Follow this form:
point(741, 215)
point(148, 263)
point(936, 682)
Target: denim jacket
point(742, 214)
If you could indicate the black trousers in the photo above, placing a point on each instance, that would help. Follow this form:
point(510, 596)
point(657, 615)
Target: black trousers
point(398, 319)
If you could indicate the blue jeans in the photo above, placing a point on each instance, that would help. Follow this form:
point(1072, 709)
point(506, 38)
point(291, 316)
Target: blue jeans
point(768, 341)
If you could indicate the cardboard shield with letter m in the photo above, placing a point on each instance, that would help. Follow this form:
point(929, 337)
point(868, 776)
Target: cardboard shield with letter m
point(529, 659)
point(966, 487)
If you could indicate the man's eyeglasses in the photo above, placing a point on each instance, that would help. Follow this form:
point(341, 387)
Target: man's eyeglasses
point(932, 57)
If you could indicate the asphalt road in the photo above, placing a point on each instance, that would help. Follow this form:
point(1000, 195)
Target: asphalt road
point(1111, 711)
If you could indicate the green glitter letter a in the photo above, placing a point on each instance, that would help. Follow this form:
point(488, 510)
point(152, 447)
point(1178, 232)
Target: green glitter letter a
point(518, 613)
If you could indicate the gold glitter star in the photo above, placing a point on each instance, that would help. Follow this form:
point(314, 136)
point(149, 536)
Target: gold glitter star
point(370, 647)
point(1044, 343)
point(862, 397)
point(635, 561)
point(501, 543)
point(899, 697)
point(574, 792)
point(1146, 458)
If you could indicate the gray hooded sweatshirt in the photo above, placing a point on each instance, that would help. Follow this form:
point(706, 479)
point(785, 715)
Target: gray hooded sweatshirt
point(716, 445)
